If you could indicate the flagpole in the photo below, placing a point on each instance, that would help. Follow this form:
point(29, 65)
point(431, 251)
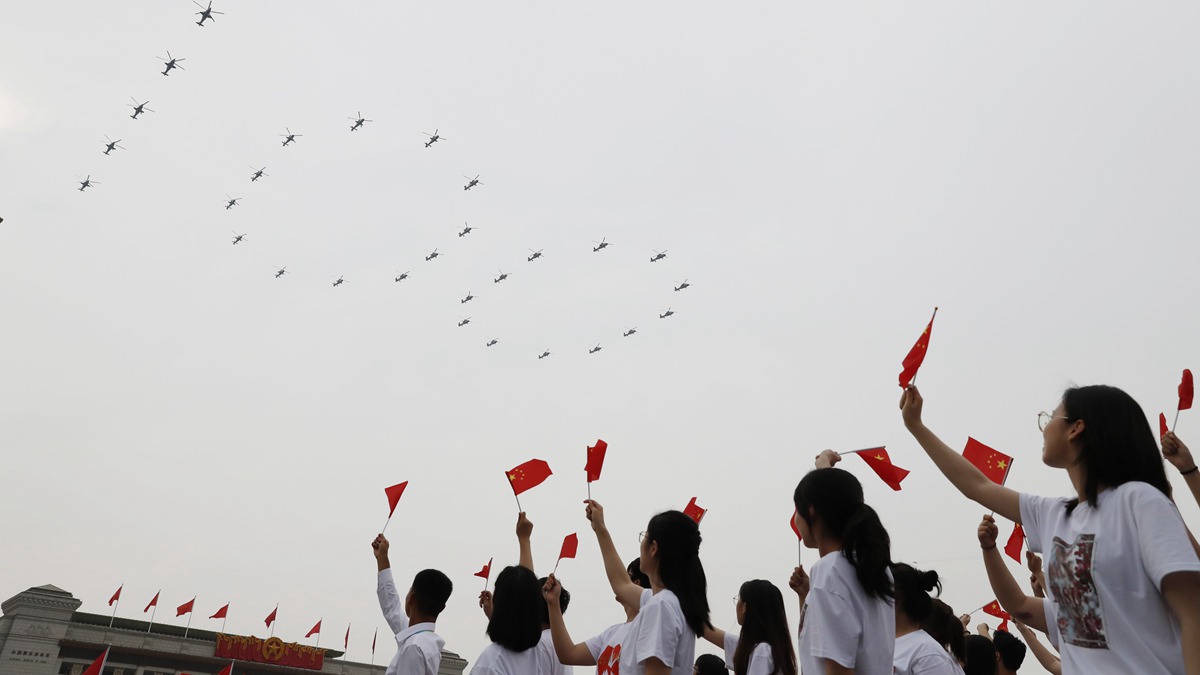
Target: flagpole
point(1176, 420)
point(855, 452)
point(913, 381)
point(223, 620)
point(519, 509)
point(385, 524)
point(152, 613)
point(189, 623)
point(115, 608)
point(276, 613)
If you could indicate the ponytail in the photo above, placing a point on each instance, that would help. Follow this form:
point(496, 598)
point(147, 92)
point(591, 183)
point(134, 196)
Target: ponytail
point(946, 629)
point(679, 566)
point(836, 497)
point(912, 587)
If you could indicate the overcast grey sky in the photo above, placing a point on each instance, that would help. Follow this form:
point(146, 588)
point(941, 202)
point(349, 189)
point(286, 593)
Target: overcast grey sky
point(171, 415)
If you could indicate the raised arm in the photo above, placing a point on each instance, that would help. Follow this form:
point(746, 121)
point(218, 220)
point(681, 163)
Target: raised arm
point(628, 593)
point(1040, 652)
point(715, 636)
point(569, 653)
point(1026, 609)
point(1175, 452)
point(524, 534)
point(969, 480)
point(389, 597)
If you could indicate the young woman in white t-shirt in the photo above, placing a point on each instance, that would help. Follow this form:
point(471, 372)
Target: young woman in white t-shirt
point(673, 612)
point(514, 625)
point(847, 619)
point(764, 646)
point(917, 652)
point(1119, 560)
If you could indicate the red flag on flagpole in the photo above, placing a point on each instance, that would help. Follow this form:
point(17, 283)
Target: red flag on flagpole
point(993, 463)
point(115, 596)
point(221, 613)
point(995, 610)
point(595, 460)
point(1187, 390)
point(694, 512)
point(346, 644)
point(186, 607)
point(393, 495)
point(315, 629)
point(570, 547)
point(528, 475)
point(486, 572)
point(916, 355)
point(1015, 541)
point(153, 603)
point(228, 670)
point(1162, 425)
point(881, 464)
point(271, 617)
point(97, 666)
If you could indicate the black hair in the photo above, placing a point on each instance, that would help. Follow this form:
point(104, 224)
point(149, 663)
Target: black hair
point(430, 590)
point(636, 575)
point(679, 566)
point(765, 621)
point(981, 656)
point(517, 606)
point(912, 587)
point(943, 626)
point(563, 600)
point(1118, 445)
point(837, 497)
point(711, 664)
point(1010, 649)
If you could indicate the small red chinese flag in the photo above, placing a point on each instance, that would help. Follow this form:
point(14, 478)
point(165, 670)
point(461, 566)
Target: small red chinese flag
point(221, 613)
point(153, 603)
point(97, 666)
point(486, 572)
point(916, 355)
point(995, 610)
point(228, 670)
point(795, 529)
point(393, 494)
point(185, 608)
point(115, 596)
point(993, 463)
point(271, 617)
point(694, 512)
point(1015, 541)
point(346, 644)
point(570, 547)
point(1162, 425)
point(881, 463)
point(528, 475)
point(315, 629)
point(1186, 390)
point(595, 460)
point(1003, 625)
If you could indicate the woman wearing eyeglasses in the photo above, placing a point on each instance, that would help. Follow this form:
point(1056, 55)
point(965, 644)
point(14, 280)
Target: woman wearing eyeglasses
point(1119, 560)
point(764, 646)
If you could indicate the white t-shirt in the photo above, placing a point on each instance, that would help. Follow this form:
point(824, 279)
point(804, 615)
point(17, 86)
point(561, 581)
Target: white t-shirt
point(660, 631)
point(1104, 567)
point(917, 653)
point(840, 622)
point(761, 661)
point(548, 663)
point(496, 660)
point(418, 648)
point(606, 648)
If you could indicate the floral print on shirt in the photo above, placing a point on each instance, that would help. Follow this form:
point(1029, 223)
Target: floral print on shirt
point(1080, 615)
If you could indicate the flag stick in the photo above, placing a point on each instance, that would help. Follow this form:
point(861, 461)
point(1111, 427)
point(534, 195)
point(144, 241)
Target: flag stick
point(318, 645)
point(589, 490)
point(800, 546)
point(1176, 420)
point(189, 623)
point(114, 614)
point(855, 452)
point(556, 566)
point(913, 381)
point(223, 620)
point(152, 613)
point(519, 509)
point(276, 620)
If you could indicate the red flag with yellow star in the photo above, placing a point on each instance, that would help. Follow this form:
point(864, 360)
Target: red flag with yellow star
point(996, 610)
point(528, 475)
point(1015, 541)
point(881, 464)
point(993, 463)
point(916, 355)
point(693, 511)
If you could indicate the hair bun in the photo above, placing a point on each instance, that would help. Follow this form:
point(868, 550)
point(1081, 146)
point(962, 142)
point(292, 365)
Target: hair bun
point(928, 580)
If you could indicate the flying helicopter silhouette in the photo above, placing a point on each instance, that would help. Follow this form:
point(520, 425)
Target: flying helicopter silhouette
point(401, 276)
point(112, 145)
point(682, 286)
point(205, 13)
point(601, 245)
point(258, 173)
point(431, 256)
point(467, 229)
point(339, 282)
point(358, 121)
point(237, 238)
point(466, 299)
point(280, 272)
point(491, 342)
point(289, 137)
point(433, 138)
point(502, 277)
point(658, 255)
point(138, 108)
point(629, 332)
point(536, 254)
point(544, 354)
point(668, 313)
point(171, 63)
point(232, 202)
point(473, 183)
point(464, 322)
point(595, 349)
point(87, 182)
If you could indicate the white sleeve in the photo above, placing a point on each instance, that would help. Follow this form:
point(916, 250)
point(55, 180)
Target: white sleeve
point(659, 634)
point(931, 665)
point(761, 662)
point(595, 645)
point(834, 630)
point(1034, 513)
point(1162, 536)
point(731, 644)
point(389, 602)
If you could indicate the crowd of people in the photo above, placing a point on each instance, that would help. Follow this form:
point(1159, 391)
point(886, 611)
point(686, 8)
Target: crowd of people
point(1119, 590)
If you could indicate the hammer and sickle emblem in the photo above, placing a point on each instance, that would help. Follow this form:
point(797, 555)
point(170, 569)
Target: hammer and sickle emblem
point(272, 649)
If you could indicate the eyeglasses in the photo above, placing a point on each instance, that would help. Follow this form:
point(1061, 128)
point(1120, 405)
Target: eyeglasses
point(737, 599)
point(641, 537)
point(1045, 417)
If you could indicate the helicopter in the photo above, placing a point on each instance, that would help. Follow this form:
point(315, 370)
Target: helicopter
point(601, 245)
point(464, 322)
point(669, 313)
point(467, 229)
point(289, 137)
point(473, 183)
point(87, 183)
point(502, 277)
point(112, 145)
point(595, 349)
point(232, 202)
point(433, 138)
point(491, 342)
point(339, 282)
point(205, 13)
point(629, 332)
point(258, 173)
point(536, 254)
point(466, 299)
point(401, 276)
point(682, 286)
point(237, 238)
point(431, 256)
point(282, 271)
point(171, 62)
point(138, 108)
point(543, 355)
point(358, 121)
point(658, 255)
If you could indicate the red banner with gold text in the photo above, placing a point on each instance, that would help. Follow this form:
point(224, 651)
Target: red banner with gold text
point(272, 650)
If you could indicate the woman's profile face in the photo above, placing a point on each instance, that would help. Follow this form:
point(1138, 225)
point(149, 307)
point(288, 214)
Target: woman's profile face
point(1057, 451)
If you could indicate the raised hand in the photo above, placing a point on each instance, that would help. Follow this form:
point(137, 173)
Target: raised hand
point(485, 602)
point(910, 407)
point(827, 459)
point(524, 526)
point(381, 546)
point(1175, 452)
point(595, 514)
point(987, 533)
point(551, 591)
point(799, 582)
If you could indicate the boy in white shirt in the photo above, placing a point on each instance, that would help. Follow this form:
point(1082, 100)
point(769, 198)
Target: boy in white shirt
point(419, 648)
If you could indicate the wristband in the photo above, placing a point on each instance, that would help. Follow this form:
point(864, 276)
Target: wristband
point(1194, 469)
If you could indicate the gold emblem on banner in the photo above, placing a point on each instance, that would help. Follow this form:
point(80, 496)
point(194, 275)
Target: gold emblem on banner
point(272, 649)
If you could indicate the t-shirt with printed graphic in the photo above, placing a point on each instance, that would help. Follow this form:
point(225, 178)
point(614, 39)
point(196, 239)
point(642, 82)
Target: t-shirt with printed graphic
point(659, 631)
point(606, 648)
point(842, 623)
point(1104, 567)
